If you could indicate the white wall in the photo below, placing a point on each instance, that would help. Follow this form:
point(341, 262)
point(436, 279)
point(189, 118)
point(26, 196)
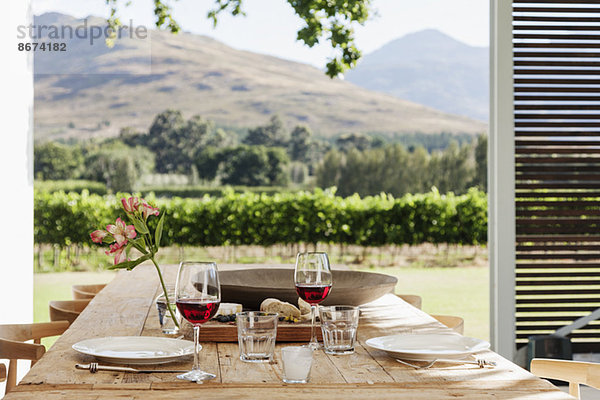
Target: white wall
point(16, 169)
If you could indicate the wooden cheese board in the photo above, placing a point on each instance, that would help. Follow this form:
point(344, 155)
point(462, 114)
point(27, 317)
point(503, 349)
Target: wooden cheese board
point(215, 331)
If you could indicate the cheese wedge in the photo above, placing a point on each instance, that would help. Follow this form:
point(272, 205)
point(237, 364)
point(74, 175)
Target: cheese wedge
point(229, 309)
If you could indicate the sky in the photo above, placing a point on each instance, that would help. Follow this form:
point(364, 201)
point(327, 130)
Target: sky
point(270, 26)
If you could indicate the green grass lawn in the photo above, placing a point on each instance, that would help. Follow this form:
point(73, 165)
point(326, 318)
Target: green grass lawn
point(57, 286)
point(460, 291)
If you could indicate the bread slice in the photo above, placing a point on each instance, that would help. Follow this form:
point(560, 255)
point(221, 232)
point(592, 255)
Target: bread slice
point(282, 308)
point(304, 306)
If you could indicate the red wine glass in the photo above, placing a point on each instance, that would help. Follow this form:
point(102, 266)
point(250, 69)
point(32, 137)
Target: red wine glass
point(197, 296)
point(313, 281)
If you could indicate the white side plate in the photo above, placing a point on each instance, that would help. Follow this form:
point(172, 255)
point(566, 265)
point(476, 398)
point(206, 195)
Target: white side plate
point(135, 349)
point(428, 346)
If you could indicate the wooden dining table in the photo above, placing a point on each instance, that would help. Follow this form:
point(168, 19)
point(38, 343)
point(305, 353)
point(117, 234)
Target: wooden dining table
point(126, 307)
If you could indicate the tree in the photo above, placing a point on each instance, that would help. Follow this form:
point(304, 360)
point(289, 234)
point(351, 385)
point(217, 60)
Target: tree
point(118, 165)
point(56, 161)
point(316, 152)
point(278, 162)
point(324, 19)
point(394, 170)
point(298, 172)
point(177, 143)
point(329, 171)
point(358, 141)
point(272, 135)
point(253, 166)
point(299, 143)
point(481, 169)
point(166, 122)
point(245, 165)
point(453, 168)
point(207, 162)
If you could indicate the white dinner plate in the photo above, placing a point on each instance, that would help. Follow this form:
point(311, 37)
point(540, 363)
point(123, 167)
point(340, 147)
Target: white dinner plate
point(428, 346)
point(135, 349)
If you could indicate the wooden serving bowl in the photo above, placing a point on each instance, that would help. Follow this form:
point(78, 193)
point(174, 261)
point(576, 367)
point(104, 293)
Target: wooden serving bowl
point(251, 286)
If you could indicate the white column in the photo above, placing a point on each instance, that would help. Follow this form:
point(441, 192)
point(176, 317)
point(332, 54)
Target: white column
point(501, 174)
point(16, 166)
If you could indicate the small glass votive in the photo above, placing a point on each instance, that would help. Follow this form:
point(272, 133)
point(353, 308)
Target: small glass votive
point(297, 361)
point(257, 332)
point(167, 325)
point(339, 325)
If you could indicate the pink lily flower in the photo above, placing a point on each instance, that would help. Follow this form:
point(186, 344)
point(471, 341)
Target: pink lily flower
point(130, 204)
point(98, 235)
point(121, 232)
point(148, 210)
point(119, 251)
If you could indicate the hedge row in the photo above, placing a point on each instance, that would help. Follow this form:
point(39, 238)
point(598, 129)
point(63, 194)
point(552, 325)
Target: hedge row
point(261, 219)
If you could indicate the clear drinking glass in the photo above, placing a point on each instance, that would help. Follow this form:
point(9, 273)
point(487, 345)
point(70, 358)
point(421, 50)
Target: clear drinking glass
point(339, 325)
point(197, 295)
point(167, 325)
point(257, 332)
point(313, 281)
point(297, 362)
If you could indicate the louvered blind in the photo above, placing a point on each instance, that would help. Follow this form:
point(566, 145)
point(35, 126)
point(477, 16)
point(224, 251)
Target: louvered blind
point(557, 154)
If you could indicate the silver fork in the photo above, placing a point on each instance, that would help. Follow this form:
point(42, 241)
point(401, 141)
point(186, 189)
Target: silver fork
point(480, 362)
point(95, 367)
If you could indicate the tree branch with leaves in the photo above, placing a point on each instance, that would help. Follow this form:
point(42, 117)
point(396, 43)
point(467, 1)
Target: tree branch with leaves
point(325, 20)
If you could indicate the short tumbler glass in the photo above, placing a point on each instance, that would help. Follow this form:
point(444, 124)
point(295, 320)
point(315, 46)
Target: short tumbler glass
point(167, 325)
point(257, 332)
point(338, 325)
point(297, 361)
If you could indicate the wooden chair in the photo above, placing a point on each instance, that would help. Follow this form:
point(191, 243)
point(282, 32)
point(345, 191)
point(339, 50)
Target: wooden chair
point(2, 372)
point(86, 292)
point(457, 324)
point(13, 348)
point(575, 372)
point(412, 299)
point(66, 310)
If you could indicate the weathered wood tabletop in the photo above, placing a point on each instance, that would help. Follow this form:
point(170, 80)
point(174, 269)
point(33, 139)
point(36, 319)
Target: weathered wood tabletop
point(126, 308)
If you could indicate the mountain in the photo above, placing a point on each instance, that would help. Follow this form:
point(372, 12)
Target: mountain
point(94, 91)
point(430, 68)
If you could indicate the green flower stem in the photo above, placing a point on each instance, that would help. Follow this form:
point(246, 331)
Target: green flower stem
point(162, 282)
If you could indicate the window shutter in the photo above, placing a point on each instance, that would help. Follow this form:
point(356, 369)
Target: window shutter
point(557, 157)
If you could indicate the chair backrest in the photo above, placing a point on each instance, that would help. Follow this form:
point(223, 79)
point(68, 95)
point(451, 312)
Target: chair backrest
point(575, 372)
point(83, 292)
point(2, 372)
point(66, 310)
point(457, 324)
point(13, 348)
point(412, 299)
point(35, 332)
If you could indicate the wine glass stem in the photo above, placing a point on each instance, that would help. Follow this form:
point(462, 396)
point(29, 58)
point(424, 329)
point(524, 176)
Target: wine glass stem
point(196, 346)
point(313, 335)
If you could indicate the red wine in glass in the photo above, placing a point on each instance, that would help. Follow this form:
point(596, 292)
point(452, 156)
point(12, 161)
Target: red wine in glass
point(197, 297)
point(312, 294)
point(313, 280)
point(197, 311)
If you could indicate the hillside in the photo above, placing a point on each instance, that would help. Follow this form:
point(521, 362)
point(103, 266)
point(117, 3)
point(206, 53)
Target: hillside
point(95, 91)
point(430, 68)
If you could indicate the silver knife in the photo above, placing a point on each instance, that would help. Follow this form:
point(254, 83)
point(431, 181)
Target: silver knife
point(94, 367)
